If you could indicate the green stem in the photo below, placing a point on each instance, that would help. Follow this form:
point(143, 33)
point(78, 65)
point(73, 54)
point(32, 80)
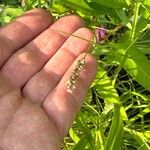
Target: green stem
point(39, 3)
point(136, 12)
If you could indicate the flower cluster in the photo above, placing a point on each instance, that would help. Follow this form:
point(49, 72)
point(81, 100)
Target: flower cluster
point(75, 74)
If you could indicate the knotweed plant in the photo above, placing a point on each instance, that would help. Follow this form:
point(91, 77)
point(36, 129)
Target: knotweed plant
point(100, 37)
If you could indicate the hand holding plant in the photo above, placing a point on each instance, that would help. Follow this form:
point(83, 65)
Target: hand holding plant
point(36, 62)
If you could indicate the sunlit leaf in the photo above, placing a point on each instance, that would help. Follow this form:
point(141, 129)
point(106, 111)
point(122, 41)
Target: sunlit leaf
point(112, 3)
point(136, 64)
point(104, 87)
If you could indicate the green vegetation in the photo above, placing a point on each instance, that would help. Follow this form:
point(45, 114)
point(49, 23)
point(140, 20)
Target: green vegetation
point(116, 112)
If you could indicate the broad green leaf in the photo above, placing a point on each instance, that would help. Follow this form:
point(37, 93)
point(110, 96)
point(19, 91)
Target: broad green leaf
point(139, 32)
point(100, 9)
point(78, 5)
point(104, 87)
point(88, 8)
point(136, 64)
point(112, 3)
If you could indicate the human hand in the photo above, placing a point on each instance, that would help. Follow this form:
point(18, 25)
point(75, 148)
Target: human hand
point(36, 61)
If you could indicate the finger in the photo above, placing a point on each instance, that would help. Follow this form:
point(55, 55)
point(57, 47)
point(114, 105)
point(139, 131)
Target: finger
point(18, 33)
point(31, 58)
point(62, 106)
point(56, 67)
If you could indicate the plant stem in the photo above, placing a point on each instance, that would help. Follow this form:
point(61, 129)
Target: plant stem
point(136, 12)
point(39, 3)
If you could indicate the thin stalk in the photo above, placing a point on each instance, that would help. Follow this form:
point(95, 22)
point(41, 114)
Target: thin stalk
point(70, 34)
point(90, 41)
point(93, 109)
point(95, 27)
point(140, 115)
point(39, 3)
point(136, 12)
point(144, 97)
point(112, 31)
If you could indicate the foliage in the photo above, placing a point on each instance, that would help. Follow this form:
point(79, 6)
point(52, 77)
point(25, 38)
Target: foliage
point(116, 112)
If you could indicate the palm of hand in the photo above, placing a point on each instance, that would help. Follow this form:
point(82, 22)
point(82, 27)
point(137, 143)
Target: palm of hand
point(36, 62)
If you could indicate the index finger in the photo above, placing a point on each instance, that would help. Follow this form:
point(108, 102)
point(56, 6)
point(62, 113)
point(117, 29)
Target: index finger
point(21, 31)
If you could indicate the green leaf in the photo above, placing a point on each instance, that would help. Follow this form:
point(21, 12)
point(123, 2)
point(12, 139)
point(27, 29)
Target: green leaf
point(57, 7)
point(78, 5)
point(88, 8)
point(123, 17)
point(115, 134)
point(104, 87)
point(136, 64)
point(81, 144)
point(73, 135)
point(145, 12)
point(147, 3)
point(11, 2)
point(14, 12)
point(100, 9)
point(112, 3)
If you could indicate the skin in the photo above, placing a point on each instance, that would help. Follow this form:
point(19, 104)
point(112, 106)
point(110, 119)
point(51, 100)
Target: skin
point(36, 61)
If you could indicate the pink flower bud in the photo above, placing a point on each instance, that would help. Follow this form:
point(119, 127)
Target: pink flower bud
point(100, 34)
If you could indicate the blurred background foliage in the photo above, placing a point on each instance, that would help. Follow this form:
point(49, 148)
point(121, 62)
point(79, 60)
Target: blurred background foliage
point(116, 111)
